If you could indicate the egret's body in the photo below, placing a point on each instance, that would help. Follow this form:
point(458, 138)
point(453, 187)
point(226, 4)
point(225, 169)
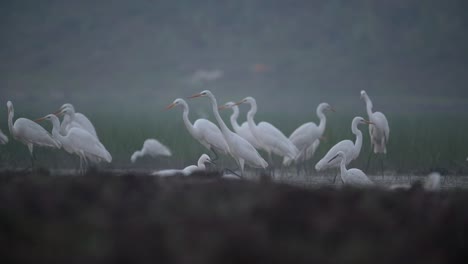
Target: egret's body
point(79, 141)
point(271, 139)
point(239, 148)
point(351, 150)
point(306, 137)
point(379, 131)
point(29, 132)
point(72, 119)
point(3, 138)
point(204, 131)
point(242, 130)
point(352, 177)
point(152, 148)
point(187, 170)
point(432, 182)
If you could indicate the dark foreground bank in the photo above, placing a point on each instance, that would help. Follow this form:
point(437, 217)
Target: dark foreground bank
point(103, 218)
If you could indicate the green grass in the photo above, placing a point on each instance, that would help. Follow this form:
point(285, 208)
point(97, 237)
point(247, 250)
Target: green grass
point(419, 142)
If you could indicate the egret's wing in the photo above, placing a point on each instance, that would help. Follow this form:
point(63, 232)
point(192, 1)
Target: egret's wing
point(245, 133)
point(244, 150)
point(381, 122)
point(167, 173)
point(276, 140)
point(84, 122)
point(84, 141)
point(154, 148)
point(358, 178)
point(345, 145)
point(211, 134)
point(32, 132)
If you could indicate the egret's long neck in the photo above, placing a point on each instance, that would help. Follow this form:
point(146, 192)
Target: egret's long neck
point(250, 117)
point(234, 116)
point(66, 120)
point(358, 133)
point(368, 105)
point(187, 122)
point(323, 121)
point(11, 113)
point(214, 105)
point(56, 129)
point(201, 164)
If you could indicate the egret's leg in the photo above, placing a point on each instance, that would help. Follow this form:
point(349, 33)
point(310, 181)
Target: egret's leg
point(368, 161)
point(334, 179)
point(382, 166)
point(215, 154)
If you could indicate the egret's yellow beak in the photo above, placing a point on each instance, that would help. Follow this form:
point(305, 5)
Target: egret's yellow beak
point(194, 96)
point(170, 106)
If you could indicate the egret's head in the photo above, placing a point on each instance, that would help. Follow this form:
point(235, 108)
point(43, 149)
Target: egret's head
point(361, 120)
point(201, 94)
point(9, 106)
point(325, 107)
point(363, 94)
point(47, 117)
point(227, 105)
point(176, 102)
point(67, 105)
point(204, 158)
point(247, 100)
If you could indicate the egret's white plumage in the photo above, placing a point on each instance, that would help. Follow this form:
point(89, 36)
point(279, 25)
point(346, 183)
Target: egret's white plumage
point(271, 139)
point(29, 132)
point(239, 148)
point(79, 141)
point(242, 130)
point(351, 177)
point(72, 119)
point(207, 133)
point(152, 148)
point(350, 149)
point(432, 182)
point(306, 137)
point(379, 131)
point(3, 138)
point(187, 170)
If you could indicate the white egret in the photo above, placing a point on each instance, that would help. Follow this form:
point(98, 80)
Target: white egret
point(3, 138)
point(207, 133)
point(242, 130)
point(351, 177)
point(379, 131)
point(29, 133)
point(153, 148)
point(350, 149)
point(307, 137)
point(187, 170)
point(72, 119)
point(78, 141)
point(432, 182)
point(239, 148)
point(268, 137)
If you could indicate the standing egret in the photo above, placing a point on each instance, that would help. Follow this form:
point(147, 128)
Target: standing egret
point(78, 141)
point(351, 177)
point(239, 148)
point(242, 130)
point(29, 133)
point(3, 138)
point(379, 131)
point(153, 148)
point(187, 170)
point(307, 137)
point(207, 133)
point(268, 137)
point(73, 119)
point(350, 149)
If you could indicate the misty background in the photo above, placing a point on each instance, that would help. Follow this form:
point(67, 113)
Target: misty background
point(142, 51)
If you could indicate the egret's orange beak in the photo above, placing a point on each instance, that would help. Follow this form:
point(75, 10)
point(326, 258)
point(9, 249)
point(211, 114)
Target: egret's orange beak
point(238, 103)
point(39, 119)
point(194, 96)
point(170, 106)
point(222, 107)
point(369, 122)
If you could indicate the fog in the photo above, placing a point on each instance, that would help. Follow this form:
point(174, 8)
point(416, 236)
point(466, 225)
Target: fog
point(289, 54)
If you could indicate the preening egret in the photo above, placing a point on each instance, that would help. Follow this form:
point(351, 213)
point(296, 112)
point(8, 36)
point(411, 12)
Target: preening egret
point(187, 170)
point(242, 130)
point(351, 177)
point(379, 131)
point(78, 141)
point(73, 119)
point(3, 138)
point(307, 137)
point(268, 137)
point(207, 133)
point(239, 148)
point(350, 149)
point(29, 133)
point(153, 148)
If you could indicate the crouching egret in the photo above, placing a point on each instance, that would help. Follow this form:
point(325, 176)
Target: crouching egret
point(352, 177)
point(207, 133)
point(29, 133)
point(78, 141)
point(239, 148)
point(187, 170)
point(350, 149)
point(152, 148)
